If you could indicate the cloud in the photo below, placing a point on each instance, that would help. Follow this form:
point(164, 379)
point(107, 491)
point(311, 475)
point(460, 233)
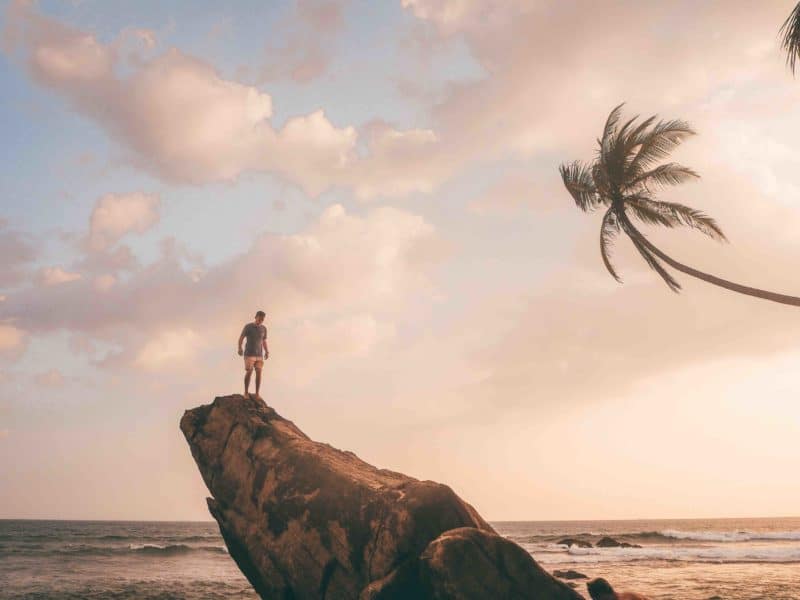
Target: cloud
point(50, 378)
point(12, 340)
point(4, 433)
point(115, 215)
point(325, 281)
point(180, 119)
point(18, 251)
point(169, 349)
point(309, 34)
point(578, 336)
point(103, 283)
point(56, 276)
point(542, 90)
point(303, 349)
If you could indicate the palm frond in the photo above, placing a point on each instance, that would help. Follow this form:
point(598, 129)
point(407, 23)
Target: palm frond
point(672, 214)
point(578, 180)
point(601, 181)
point(643, 210)
point(636, 136)
point(613, 155)
point(663, 176)
point(656, 266)
point(608, 233)
point(790, 37)
point(657, 144)
point(610, 127)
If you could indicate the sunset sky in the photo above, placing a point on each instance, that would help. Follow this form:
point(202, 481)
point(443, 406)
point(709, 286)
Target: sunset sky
point(382, 179)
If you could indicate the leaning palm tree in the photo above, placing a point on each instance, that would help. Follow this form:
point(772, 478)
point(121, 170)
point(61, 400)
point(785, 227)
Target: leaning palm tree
point(790, 37)
point(623, 180)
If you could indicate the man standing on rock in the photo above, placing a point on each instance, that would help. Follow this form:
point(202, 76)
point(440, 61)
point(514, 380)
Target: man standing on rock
point(255, 351)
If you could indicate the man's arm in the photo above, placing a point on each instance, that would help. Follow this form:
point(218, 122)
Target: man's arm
point(239, 345)
point(266, 350)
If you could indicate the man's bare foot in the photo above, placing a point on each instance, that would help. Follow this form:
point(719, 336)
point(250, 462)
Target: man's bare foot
point(246, 395)
point(258, 397)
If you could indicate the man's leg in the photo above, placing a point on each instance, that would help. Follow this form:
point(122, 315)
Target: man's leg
point(248, 370)
point(259, 365)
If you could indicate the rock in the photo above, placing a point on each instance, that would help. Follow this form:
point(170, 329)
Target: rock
point(575, 542)
point(600, 589)
point(609, 542)
point(475, 565)
point(569, 574)
point(304, 520)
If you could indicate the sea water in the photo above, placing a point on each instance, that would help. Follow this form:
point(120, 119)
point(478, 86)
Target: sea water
point(737, 559)
point(692, 559)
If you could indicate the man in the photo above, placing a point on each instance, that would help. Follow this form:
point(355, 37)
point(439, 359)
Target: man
point(256, 335)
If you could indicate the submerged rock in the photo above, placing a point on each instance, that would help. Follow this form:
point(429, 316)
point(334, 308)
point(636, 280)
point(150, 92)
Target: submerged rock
point(575, 542)
point(569, 574)
point(600, 589)
point(304, 520)
point(609, 542)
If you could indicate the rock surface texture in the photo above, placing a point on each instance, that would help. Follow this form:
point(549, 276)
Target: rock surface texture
point(304, 520)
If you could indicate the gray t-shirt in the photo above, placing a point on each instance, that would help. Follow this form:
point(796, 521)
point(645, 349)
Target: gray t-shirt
point(255, 335)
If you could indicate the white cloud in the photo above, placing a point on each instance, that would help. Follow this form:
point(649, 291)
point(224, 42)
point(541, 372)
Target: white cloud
point(351, 336)
point(57, 276)
point(12, 339)
point(50, 378)
point(180, 119)
point(336, 275)
point(103, 283)
point(169, 349)
point(115, 215)
point(309, 33)
point(18, 252)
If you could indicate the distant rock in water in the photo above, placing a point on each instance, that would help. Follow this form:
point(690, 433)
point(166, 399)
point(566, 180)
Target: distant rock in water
point(575, 542)
point(609, 542)
point(569, 574)
point(304, 520)
point(600, 589)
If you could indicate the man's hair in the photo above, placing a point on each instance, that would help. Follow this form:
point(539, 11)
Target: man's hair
point(261, 313)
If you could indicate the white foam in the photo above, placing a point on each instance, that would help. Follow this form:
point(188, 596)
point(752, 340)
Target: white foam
point(710, 554)
point(730, 536)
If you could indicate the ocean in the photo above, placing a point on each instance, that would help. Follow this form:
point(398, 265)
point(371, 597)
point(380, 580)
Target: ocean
point(736, 559)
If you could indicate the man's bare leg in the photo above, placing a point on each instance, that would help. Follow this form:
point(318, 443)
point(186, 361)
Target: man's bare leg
point(258, 383)
point(247, 383)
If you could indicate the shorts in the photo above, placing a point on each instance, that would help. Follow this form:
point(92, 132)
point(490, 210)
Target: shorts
point(253, 361)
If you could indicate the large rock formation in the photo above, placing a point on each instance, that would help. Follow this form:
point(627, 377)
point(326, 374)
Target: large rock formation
point(304, 520)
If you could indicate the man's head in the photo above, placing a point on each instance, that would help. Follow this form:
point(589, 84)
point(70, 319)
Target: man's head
point(260, 317)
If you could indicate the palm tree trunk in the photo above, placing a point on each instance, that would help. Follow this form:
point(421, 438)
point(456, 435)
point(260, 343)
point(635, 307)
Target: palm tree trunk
point(713, 279)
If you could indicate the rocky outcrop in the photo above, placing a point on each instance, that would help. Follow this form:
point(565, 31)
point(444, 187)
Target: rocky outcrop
point(304, 520)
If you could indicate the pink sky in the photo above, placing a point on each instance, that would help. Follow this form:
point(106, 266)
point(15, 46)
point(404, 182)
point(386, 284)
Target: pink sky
point(383, 182)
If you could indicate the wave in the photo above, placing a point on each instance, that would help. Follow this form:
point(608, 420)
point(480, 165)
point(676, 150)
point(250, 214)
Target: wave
point(131, 549)
point(730, 536)
point(703, 554)
point(668, 536)
point(170, 549)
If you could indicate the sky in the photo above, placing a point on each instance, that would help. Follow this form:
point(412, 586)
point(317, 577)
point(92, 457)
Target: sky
point(381, 178)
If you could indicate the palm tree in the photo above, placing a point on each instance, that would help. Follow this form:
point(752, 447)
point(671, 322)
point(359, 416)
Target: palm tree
point(790, 41)
point(623, 180)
